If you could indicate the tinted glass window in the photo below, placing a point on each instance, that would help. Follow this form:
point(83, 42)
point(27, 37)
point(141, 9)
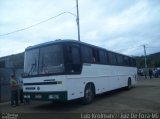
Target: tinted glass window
point(95, 54)
point(51, 59)
point(112, 58)
point(103, 57)
point(73, 63)
point(86, 54)
point(120, 59)
point(2, 64)
point(31, 62)
point(132, 62)
point(75, 55)
point(126, 61)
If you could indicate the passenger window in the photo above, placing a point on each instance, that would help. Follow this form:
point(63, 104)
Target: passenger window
point(95, 58)
point(75, 55)
point(120, 59)
point(126, 61)
point(103, 57)
point(112, 58)
point(73, 59)
point(86, 54)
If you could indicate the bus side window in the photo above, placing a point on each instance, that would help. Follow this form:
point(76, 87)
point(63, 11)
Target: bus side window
point(86, 54)
point(126, 61)
point(75, 55)
point(120, 60)
point(73, 59)
point(112, 58)
point(132, 62)
point(103, 57)
point(95, 56)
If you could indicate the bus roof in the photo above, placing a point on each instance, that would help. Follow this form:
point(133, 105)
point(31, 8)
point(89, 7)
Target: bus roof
point(59, 41)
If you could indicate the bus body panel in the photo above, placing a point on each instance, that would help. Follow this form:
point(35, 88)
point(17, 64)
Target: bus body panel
point(104, 77)
point(45, 88)
point(57, 83)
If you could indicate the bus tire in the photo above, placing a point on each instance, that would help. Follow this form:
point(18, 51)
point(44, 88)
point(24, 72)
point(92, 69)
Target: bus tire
point(129, 84)
point(89, 93)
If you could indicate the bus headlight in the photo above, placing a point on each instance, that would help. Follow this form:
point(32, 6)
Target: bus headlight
point(26, 96)
point(53, 97)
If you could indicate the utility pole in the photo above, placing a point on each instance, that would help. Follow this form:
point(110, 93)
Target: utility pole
point(145, 58)
point(78, 28)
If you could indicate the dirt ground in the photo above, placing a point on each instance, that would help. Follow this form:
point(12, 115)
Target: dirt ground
point(144, 97)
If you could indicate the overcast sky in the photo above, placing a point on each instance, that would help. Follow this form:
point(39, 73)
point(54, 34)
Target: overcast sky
point(118, 25)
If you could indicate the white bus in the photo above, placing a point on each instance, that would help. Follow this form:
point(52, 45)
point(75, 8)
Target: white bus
point(64, 70)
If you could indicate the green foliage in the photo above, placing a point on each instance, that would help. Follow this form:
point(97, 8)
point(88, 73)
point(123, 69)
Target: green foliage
point(153, 60)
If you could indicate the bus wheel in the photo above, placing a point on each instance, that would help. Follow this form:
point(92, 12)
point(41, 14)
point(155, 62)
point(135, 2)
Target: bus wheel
point(129, 84)
point(89, 94)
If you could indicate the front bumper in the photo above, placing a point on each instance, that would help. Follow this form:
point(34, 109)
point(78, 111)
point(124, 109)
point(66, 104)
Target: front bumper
point(46, 96)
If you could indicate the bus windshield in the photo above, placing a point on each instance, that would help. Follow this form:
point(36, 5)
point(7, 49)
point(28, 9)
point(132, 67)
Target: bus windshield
point(31, 62)
point(44, 60)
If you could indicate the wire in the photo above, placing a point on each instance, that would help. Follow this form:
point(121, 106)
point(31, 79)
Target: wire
point(32, 25)
point(152, 47)
point(38, 23)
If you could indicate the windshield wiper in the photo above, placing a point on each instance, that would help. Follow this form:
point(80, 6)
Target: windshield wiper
point(42, 65)
point(33, 67)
